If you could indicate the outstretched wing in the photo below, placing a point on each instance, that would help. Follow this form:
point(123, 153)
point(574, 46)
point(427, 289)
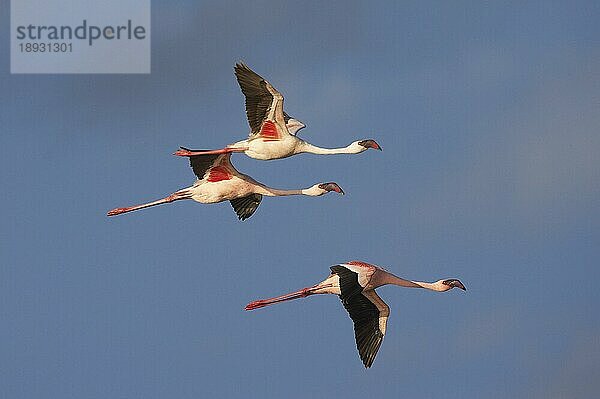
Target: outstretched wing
point(368, 312)
point(246, 206)
point(212, 167)
point(264, 104)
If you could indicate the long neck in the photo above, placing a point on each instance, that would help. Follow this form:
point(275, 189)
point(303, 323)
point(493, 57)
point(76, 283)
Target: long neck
point(395, 280)
point(274, 192)
point(313, 149)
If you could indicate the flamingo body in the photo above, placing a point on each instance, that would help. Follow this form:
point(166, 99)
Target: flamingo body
point(265, 148)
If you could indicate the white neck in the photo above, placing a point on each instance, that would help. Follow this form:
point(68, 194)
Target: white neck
point(313, 149)
point(395, 280)
point(274, 192)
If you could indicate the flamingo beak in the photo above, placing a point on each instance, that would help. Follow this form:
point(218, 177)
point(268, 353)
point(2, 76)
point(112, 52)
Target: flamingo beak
point(454, 283)
point(370, 144)
point(332, 187)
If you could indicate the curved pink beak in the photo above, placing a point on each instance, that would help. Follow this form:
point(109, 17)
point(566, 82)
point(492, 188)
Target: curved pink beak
point(331, 186)
point(370, 144)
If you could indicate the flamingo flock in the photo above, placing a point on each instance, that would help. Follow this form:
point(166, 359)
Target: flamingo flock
point(274, 135)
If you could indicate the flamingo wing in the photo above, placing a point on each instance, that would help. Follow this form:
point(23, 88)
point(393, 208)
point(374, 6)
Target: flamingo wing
point(212, 167)
point(264, 104)
point(368, 312)
point(246, 206)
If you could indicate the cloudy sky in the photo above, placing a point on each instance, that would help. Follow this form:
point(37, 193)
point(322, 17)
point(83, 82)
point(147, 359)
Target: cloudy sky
point(489, 120)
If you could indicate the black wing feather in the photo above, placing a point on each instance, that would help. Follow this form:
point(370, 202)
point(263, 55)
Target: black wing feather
point(348, 281)
point(201, 163)
point(258, 97)
point(244, 207)
point(363, 313)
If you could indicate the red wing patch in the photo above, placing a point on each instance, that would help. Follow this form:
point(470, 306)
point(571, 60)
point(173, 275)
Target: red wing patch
point(269, 131)
point(218, 173)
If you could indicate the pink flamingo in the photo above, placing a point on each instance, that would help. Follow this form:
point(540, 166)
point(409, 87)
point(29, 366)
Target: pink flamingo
point(355, 283)
point(219, 181)
point(273, 133)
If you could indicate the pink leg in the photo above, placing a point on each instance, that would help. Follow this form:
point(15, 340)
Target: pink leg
point(303, 293)
point(170, 198)
point(189, 153)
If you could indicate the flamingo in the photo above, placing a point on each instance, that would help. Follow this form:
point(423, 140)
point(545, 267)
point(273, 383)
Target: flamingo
point(355, 283)
point(273, 133)
point(217, 181)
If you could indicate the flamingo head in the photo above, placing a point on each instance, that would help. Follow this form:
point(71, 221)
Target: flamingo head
point(448, 284)
point(324, 188)
point(364, 145)
point(293, 125)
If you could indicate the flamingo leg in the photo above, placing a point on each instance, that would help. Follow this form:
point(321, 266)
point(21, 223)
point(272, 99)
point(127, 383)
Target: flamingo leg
point(190, 153)
point(303, 293)
point(170, 198)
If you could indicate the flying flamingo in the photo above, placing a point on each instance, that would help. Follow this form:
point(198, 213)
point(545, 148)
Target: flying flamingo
point(219, 181)
point(355, 283)
point(272, 131)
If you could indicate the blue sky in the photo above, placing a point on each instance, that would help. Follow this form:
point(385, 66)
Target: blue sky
point(488, 117)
